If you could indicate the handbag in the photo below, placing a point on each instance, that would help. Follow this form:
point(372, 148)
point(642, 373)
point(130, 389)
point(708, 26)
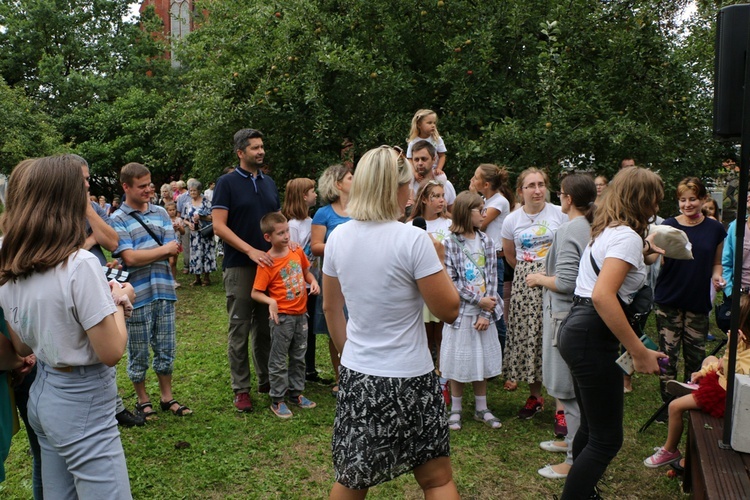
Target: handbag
point(207, 230)
point(723, 313)
point(643, 301)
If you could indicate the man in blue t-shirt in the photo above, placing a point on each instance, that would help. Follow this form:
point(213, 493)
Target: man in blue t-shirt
point(241, 198)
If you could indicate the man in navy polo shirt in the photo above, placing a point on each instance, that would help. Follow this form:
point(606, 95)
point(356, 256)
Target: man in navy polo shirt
point(241, 198)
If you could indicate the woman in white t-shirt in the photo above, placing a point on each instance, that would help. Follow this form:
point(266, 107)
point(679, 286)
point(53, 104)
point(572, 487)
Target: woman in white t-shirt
point(390, 415)
point(591, 334)
point(59, 306)
point(527, 235)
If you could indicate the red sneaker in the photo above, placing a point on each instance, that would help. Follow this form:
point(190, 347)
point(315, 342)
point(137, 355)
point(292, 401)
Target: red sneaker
point(446, 393)
point(561, 426)
point(242, 402)
point(531, 408)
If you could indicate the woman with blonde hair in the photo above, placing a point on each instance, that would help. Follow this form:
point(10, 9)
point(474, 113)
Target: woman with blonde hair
point(60, 307)
point(390, 416)
point(334, 187)
point(612, 270)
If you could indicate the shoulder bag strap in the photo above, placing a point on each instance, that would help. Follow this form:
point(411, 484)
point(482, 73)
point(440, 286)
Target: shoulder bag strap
point(468, 255)
point(150, 231)
point(593, 262)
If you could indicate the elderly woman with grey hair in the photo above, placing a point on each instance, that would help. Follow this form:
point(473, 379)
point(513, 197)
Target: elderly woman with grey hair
point(166, 195)
point(197, 214)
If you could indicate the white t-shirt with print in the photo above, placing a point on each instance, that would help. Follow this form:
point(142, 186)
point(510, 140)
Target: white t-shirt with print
point(533, 235)
point(619, 242)
point(378, 265)
point(475, 277)
point(51, 311)
point(438, 228)
point(494, 228)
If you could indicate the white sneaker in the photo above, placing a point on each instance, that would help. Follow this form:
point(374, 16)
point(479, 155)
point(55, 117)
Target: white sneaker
point(551, 446)
point(548, 472)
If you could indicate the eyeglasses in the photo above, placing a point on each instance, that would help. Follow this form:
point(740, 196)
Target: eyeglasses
point(561, 194)
point(482, 211)
point(745, 290)
point(534, 186)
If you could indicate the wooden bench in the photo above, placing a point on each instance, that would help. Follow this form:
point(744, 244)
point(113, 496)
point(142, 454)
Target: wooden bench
point(712, 472)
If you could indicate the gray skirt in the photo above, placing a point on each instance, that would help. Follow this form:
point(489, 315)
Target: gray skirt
point(385, 427)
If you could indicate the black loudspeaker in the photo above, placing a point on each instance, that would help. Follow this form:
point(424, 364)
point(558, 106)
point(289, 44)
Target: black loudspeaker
point(732, 29)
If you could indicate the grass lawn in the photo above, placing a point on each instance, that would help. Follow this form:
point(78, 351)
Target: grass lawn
point(256, 455)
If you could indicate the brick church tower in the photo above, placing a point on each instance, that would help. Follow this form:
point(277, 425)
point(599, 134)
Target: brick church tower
point(177, 16)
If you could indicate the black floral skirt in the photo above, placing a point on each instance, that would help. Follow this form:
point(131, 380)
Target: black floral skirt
point(386, 427)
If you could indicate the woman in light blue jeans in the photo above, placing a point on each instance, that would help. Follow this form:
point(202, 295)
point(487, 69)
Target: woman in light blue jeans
point(59, 306)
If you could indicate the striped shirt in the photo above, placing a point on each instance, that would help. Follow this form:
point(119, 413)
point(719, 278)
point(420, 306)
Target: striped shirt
point(153, 281)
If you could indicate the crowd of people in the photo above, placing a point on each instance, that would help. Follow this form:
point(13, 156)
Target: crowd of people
point(460, 288)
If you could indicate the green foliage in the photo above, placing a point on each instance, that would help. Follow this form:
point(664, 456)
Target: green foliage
point(582, 84)
point(547, 83)
point(101, 79)
point(25, 130)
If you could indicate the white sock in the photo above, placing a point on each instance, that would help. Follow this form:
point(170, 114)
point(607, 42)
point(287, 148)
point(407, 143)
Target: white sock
point(480, 403)
point(456, 403)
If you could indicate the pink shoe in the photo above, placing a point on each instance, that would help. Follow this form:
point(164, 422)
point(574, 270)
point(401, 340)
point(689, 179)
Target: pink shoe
point(662, 457)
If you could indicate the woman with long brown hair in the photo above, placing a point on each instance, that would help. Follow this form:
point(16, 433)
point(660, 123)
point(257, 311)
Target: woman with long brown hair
point(59, 306)
point(612, 269)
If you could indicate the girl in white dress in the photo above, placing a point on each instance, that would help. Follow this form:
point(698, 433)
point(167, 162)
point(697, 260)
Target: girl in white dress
point(471, 350)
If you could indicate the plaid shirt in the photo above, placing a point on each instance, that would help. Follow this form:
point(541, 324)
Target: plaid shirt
point(454, 263)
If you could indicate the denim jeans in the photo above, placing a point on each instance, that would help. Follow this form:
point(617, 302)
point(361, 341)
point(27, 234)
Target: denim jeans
point(590, 350)
point(82, 456)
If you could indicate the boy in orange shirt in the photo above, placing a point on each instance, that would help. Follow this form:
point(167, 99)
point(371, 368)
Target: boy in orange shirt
point(284, 281)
